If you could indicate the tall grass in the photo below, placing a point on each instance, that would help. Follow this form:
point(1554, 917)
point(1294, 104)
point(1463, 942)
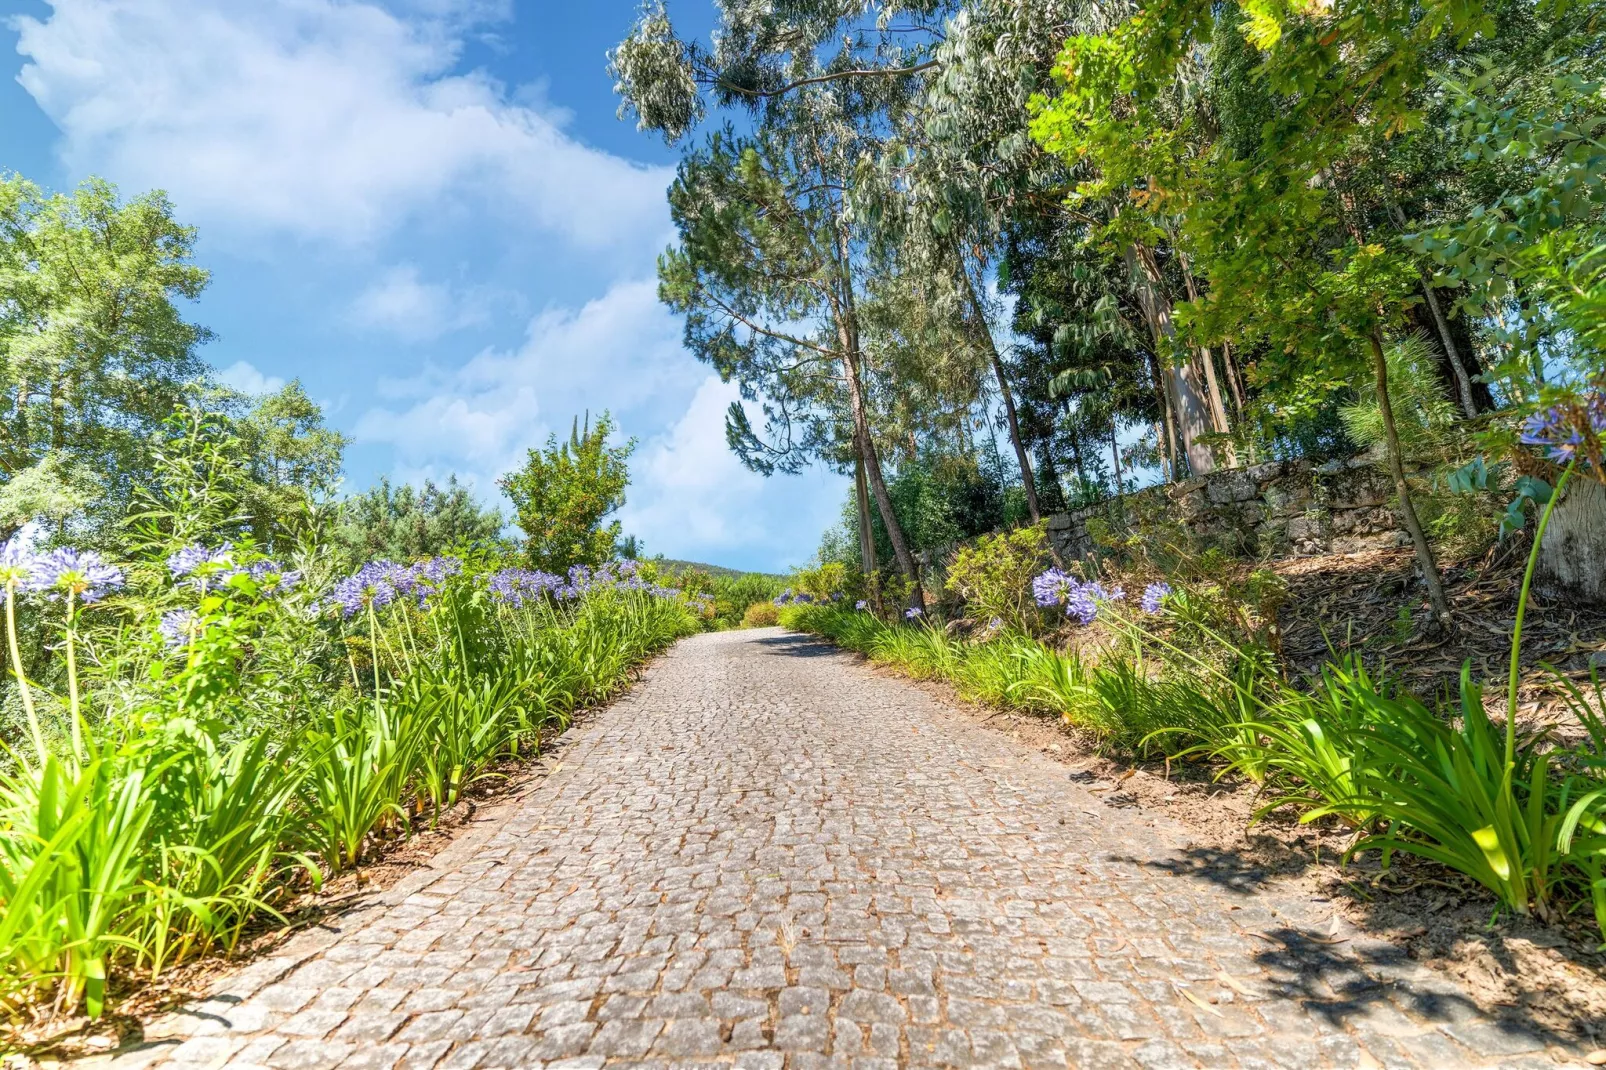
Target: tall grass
point(162, 802)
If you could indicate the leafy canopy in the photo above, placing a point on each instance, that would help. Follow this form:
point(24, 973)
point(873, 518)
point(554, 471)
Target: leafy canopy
point(564, 494)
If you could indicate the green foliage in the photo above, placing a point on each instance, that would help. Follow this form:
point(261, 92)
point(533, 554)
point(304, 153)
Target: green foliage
point(221, 742)
point(824, 582)
point(94, 351)
point(1421, 406)
point(761, 615)
point(407, 524)
point(732, 593)
point(1520, 815)
point(564, 493)
point(994, 577)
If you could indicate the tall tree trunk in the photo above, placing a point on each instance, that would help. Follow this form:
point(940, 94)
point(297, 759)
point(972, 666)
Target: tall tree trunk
point(985, 337)
point(1115, 456)
point(847, 326)
point(1463, 381)
point(1206, 361)
point(1419, 540)
point(1168, 415)
point(1193, 418)
point(1234, 379)
point(1081, 468)
point(878, 484)
point(861, 497)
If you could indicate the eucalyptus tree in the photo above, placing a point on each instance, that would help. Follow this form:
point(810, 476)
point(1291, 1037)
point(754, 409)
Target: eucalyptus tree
point(977, 172)
point(771, 261)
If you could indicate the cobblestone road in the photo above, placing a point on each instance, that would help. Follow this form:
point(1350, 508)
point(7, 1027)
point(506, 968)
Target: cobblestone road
point(768, 856)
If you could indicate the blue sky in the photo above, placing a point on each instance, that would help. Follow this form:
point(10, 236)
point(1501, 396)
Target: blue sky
point(426, 211)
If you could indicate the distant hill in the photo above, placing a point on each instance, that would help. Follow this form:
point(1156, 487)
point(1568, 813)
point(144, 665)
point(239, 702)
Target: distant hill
point(714, 570)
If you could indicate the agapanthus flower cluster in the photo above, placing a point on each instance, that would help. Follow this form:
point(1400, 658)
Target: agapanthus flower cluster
point(177, 626)
point(372, 585)
point(82, 574)
point(16, 562)
point(422, 579)
point(197, 558)
point(1081, 599)
point(1154, 597)
point(861, 605)
point(1053, 587)
point(913, 613)
point(381, 582)
point(1571, 430)
point(209, 569)
point(516, 586)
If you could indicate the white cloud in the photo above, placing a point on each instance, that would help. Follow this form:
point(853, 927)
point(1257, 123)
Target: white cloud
point(322, 118)
point(620, 352)
point(244, 377)
point(691, 497)
point(399, 303)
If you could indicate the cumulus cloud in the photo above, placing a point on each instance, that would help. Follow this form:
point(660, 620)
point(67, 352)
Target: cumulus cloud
point(322, 118)
point(402, 304)
point(690, 496)
point(620, 352)
point(243, 376)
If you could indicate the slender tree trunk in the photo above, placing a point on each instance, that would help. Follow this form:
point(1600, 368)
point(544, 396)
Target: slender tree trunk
point(1463, 381)
point(847, 325)
point(1234, 379)
point(878, 484)
point(1458, 370)
point(861, 497)
point(985, 337)
point(1205, 360)
point(1168, 441)
point(1424, 552)
point(1192, 415)
point(1115, 456)
point(1081, 466)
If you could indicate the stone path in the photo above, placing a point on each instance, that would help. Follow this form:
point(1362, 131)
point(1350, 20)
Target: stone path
point(768, 856)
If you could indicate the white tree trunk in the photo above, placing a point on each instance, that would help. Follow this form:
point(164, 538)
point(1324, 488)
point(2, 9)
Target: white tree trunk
point(1572, 557)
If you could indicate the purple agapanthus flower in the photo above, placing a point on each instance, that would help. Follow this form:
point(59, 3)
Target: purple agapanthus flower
point(372, 585)
point(1154, 597)
point(515, 586)
point(177, 627)
point(16, 561)
point(861, 605)
point(913, 613)
point(1053, 587)
point(85, 575)
point(1081, 605)
point(188, 560)
point(1568, 432)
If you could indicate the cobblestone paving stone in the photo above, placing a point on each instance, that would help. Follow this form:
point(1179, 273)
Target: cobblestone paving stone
point(768, 856)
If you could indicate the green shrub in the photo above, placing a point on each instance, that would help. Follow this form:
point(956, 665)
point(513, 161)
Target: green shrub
point(994, 577)
point(761, 615)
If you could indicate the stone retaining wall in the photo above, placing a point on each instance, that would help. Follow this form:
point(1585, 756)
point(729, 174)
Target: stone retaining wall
point(1279, 509)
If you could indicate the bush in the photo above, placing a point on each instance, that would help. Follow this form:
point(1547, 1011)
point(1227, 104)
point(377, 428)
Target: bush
point(994, 577)
point(761, 615)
